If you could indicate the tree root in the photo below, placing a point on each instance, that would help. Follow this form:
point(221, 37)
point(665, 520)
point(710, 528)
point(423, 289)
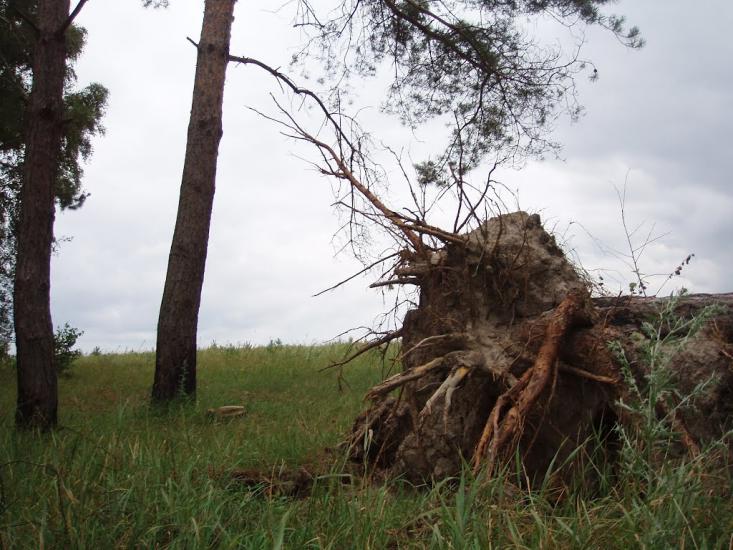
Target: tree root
point(589, 375)
point(402, 378)
point(460, 363)
point(499, 429)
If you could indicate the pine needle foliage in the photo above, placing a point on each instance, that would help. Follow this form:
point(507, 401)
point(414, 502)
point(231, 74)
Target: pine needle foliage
point(473, 62)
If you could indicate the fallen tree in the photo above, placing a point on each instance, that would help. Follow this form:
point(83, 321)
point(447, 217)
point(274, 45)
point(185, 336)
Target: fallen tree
point(507, 355)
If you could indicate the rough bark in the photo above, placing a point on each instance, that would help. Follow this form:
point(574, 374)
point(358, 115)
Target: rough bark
point(506, 355)
point(37, 377)
point(175, 361)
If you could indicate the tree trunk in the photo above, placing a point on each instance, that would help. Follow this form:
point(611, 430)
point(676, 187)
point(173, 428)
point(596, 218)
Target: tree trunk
point(37, 380)
point(175, 361)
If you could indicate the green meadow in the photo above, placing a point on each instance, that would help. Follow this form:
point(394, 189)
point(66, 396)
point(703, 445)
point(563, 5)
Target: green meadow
point(120, 474)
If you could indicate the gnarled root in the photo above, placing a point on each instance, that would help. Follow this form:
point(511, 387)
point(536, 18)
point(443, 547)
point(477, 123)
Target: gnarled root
point(504, 427)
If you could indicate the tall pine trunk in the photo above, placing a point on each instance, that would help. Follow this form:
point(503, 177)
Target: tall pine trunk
point(175, 360)
point(37, 380)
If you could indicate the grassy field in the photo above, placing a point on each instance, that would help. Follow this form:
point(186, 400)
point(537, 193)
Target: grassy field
point(118, 474)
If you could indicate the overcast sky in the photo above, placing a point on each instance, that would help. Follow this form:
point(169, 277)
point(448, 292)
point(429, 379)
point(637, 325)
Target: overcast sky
point(659, 119)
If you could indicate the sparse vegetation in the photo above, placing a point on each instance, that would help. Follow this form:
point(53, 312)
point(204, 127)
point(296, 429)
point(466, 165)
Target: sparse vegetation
point(120, 474)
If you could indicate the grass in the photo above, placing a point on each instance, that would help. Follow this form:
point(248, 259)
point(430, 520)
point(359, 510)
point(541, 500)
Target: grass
point(121, 475)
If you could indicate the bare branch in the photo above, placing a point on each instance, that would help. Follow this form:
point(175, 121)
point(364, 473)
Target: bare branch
point(297, 90)
point(399, 281)
point(367, 268)
point(369, 346)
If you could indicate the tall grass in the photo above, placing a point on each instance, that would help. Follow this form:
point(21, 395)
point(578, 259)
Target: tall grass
point(119, 474)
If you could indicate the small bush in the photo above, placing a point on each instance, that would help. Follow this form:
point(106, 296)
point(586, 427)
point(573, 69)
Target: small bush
point(64, 341)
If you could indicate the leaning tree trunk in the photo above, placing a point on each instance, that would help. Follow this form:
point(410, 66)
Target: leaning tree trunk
point(37, 380)
point(175, 360)
point(507, 355)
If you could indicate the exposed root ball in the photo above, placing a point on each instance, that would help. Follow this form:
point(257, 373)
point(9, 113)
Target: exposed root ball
point(505, 353)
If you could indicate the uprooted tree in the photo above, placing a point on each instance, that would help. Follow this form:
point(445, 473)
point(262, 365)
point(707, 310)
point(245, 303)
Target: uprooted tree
point(502, 353)
point(506, 354)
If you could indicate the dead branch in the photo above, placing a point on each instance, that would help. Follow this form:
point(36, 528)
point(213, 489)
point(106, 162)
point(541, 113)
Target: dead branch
point(343, 171)
point(368, 346)
point(411, 228)
point(284, 79)
point(367, 268)
point(398, 281)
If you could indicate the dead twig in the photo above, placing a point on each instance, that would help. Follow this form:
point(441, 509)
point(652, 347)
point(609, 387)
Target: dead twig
point(355, 275)
point(368, 346)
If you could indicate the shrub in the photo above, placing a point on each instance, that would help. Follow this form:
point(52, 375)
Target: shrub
point(64, 341)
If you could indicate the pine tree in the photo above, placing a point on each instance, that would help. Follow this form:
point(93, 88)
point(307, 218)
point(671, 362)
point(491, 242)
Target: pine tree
point(175, 359)
point(46, 157)
point(83, 112)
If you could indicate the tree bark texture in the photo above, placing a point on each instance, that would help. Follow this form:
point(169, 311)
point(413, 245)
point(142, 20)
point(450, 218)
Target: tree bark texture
point(37, 379)
point(175, 361)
